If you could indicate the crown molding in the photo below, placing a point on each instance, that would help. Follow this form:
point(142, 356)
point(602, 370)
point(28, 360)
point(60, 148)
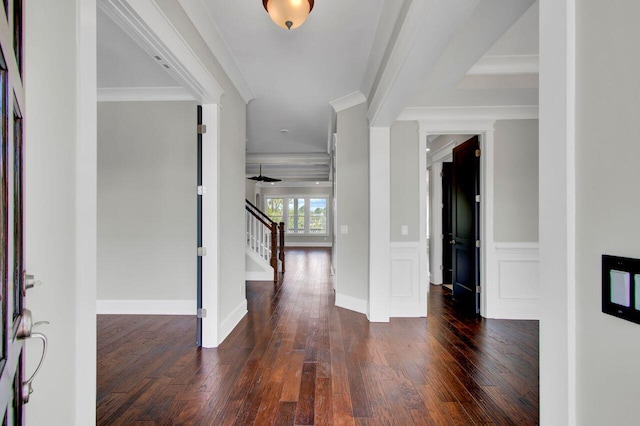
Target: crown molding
point(318, 158)
point(206, 26)
point(516, 112)
point(147, 25)
point(132, 94)
point(348, 101)
point(506, 64)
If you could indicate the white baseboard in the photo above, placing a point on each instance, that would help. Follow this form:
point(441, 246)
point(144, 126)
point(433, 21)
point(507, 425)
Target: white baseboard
point(227, 325)
point(351, 303)
point(258, 276)
point(146, 307)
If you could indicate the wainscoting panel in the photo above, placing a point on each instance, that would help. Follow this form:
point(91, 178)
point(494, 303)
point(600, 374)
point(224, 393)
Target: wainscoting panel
point(514, 289)
point(407, 298)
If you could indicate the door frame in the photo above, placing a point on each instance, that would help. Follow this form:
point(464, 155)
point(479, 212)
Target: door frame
point(485, 131)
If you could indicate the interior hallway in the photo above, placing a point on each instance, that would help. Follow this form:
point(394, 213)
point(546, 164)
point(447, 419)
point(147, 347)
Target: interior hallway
point(297, 359)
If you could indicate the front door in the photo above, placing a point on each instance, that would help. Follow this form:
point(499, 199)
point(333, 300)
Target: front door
point(16, 320)
point(465, 225)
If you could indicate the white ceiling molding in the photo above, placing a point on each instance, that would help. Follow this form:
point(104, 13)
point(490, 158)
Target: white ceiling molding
point(151, 29)
point(453, 127)
point(440, 114)
point(427, 29)
point(207, 28)
point(283, 184)
point(132, 94)
point(348, 101)
point(506, 64)
point(319, 158)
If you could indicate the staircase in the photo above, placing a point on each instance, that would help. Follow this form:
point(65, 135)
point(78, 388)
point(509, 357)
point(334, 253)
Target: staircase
point(264, 247)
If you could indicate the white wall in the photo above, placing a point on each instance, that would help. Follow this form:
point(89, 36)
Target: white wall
point(607, 205)
point(405, 188)
point(352, 194)
point(60, 206)
point(147, 164)
point(516, 181)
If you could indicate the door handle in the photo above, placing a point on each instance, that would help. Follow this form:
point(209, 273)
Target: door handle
point(452, 242)
point(26, 325)
point(27, 388)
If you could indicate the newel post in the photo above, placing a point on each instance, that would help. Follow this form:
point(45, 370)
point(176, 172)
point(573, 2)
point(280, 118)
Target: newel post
point(282, 244)
point(274, 250)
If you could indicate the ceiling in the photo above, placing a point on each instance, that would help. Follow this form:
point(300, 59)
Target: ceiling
point(293, 76)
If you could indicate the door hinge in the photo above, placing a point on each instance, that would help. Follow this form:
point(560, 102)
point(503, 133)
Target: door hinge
point(477, 289)
point(478, 152)
point(202, 251)
point(441, 268)
point(202, 313)
point(477, 198)
point(202, 190)
point(202, 129)
point(478, 243)
point(442, 205)
point(442, 236)
point(442, 174)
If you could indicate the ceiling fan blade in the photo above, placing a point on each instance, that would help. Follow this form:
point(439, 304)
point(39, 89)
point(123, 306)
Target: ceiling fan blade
point(268, 179)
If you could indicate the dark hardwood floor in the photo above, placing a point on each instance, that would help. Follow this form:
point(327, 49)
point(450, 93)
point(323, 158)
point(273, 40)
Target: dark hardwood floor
point(296, 359)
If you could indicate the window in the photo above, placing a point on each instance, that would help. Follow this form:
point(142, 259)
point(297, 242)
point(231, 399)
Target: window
point(302, 215)
point(318, 216)
point(275, 209)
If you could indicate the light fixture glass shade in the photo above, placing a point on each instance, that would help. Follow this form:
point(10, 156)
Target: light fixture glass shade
point(288, 14)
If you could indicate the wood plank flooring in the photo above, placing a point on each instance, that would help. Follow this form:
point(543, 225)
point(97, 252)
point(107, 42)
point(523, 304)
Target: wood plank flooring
point(296, 359)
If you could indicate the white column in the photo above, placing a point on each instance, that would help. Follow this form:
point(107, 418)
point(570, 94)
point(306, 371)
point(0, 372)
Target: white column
point(424, 262)
point(379, 223)
point(557, 213)
point(210, 224)
point(86, 213)
point(436, 241)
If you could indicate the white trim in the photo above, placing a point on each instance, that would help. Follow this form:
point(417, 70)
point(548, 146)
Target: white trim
point(506, 64)
point(423, 243)
point(231, 321)
point(348, 101)
point(258, 275)
point(486, 113)
point(211, 224)
point(311, 158)
point(407, 290)
point(206, 26)
point(294, 245)
point(132, 94)
point(436, 241)
point(379, 223)
point(146, 307)
point(515, 270)
point(147, 25)
point(558, 329)
point(351, 303)
point(284, 184)
point(86, 214)
point(404, 245)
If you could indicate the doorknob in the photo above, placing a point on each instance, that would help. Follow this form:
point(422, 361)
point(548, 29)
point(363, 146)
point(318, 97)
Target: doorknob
point(453, 242)
point(27, 388)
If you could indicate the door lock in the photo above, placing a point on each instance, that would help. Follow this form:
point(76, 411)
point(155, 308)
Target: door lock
point(29, 282)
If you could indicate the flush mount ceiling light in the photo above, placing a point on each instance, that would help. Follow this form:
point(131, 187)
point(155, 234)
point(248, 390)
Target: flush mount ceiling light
point(288, 14)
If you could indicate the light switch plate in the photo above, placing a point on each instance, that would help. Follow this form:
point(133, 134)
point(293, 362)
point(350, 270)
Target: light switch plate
point(404, 230)
point(344, 229)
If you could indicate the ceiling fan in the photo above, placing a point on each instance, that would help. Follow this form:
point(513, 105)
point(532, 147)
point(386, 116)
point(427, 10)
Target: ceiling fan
point(261, 178)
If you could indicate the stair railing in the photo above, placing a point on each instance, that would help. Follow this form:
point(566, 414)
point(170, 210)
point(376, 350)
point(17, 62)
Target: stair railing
point(265, 238)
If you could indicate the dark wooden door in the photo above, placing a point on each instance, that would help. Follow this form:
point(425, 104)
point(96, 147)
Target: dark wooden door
point(446, 223)
point(465, 225)
point(16, 320)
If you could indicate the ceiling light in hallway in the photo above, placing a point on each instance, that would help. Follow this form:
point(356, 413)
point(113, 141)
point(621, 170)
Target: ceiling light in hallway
point(288, 14)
